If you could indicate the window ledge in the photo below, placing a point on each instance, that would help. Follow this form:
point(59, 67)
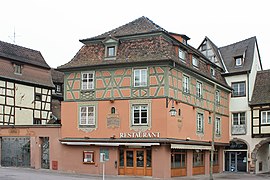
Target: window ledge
point(110, 58)
point(87, 90)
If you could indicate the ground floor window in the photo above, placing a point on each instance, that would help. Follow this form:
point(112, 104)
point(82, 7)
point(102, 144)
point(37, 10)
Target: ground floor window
point(178, 159)
point(198, 158)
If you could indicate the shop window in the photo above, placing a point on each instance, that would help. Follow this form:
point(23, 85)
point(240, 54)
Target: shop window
point(178, 159)
point(148, 158)
point(88, 157)
point(198, 158)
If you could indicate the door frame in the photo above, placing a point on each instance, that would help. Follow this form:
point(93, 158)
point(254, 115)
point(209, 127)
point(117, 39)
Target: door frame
point(235, 151)
point(135, 171)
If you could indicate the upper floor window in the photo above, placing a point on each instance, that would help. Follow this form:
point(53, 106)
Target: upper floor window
point(87, 115)
point(200, 123)
point(17, 69)
point(140, 114)
point(88, 80)
point(265, 117)
point(111, 51)
point(199, 89)
point(195, 61)
point(182, 54)
point(111, 45)
point(239, 118)
point(218, 126)
point(239, 61)
point(217, 98)
point(239, 89)
point(212, 71)
point(140, 77)
point(58, 88)
point(186, 84)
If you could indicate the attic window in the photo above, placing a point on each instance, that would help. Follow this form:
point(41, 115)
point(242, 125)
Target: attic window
point(195, 62)
point(212, 71)
point(181, 54)
point(239, 61)
point(111, 46)
point(17, 69)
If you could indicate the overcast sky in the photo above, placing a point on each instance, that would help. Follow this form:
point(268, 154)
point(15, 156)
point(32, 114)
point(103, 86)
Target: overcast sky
point(54, 27)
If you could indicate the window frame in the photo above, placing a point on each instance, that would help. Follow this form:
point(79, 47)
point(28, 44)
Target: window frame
point(195, 62)
point(199, 89)
point(200, 120)
point(183, 159)
point(212, 72)
point(218, 126)
point(238, 118)
point(183, 53)
point(238, 89)
point(237, 60)
point(87, 116)
point(140, 115)
point(90, 160)
point(108, 55)
point(90, 85)
point(217, 97)
point(186, 88)
point(140, 77)
point(18, 69)
point(200, 163)
point(267, 119)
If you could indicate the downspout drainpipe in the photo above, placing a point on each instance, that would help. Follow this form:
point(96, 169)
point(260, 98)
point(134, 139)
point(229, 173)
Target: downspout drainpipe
point(213, 134)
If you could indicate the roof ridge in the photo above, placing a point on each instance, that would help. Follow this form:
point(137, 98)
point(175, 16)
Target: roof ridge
point(237, 42)
point(19, 46)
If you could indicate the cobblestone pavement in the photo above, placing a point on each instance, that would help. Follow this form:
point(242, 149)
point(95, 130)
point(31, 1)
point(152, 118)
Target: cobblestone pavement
point(33, 174)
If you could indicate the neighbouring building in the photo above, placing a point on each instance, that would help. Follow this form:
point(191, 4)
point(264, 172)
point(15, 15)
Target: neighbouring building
point(26, 137)
point(260, 121)
point(240, 62)
point(144, 101)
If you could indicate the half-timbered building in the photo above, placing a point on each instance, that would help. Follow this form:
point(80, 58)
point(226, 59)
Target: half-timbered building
point(260, 121)
point(143, 101)
point(240, 62)
point(25, 108)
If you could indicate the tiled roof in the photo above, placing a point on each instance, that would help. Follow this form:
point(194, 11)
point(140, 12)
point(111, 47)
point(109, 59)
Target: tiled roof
point(239, 49)
point(57, 76)
point(22, 54)
point(261, 92)
point(138, 26)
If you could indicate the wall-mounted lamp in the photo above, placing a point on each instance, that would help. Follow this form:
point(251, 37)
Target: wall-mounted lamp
point(172, 110)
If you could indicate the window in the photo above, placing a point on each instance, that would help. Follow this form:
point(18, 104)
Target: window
point(239, 89)
point(217, 98)
point(88, 80)
point(239, 61)
point(140, 77)
point(215, 159)
point(88, 157)
point(209, 120)
point(199, 89)
point(37, 121)
point(212, 71)
point(38, 97)
point(182, 54)
point(178, 158)
point(18, 69)
point(217, 126)
point(199, 123)
point(111, 51)
point(140, 114)
point(195, 61)
point(87, 115)
point(58, 88)
point(239, 118)
point(113, 110)
point(186, 84)
point(265, 117)
point(198, 158)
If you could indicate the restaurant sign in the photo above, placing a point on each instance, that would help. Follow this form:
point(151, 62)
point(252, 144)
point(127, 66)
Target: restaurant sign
point(140, 135)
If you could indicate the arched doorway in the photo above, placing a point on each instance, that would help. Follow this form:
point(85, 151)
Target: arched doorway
point(236, 156)
point(260, 156)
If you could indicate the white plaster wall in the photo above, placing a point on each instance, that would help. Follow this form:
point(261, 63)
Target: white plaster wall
point(24, 96)
point(263, 156)
point(23, 116)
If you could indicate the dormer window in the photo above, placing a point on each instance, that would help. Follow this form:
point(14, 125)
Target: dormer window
point(181, 54)
point(17, 69)
point(239, 61)
point(111, 45)
point(111, 51)
point(195, 61)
